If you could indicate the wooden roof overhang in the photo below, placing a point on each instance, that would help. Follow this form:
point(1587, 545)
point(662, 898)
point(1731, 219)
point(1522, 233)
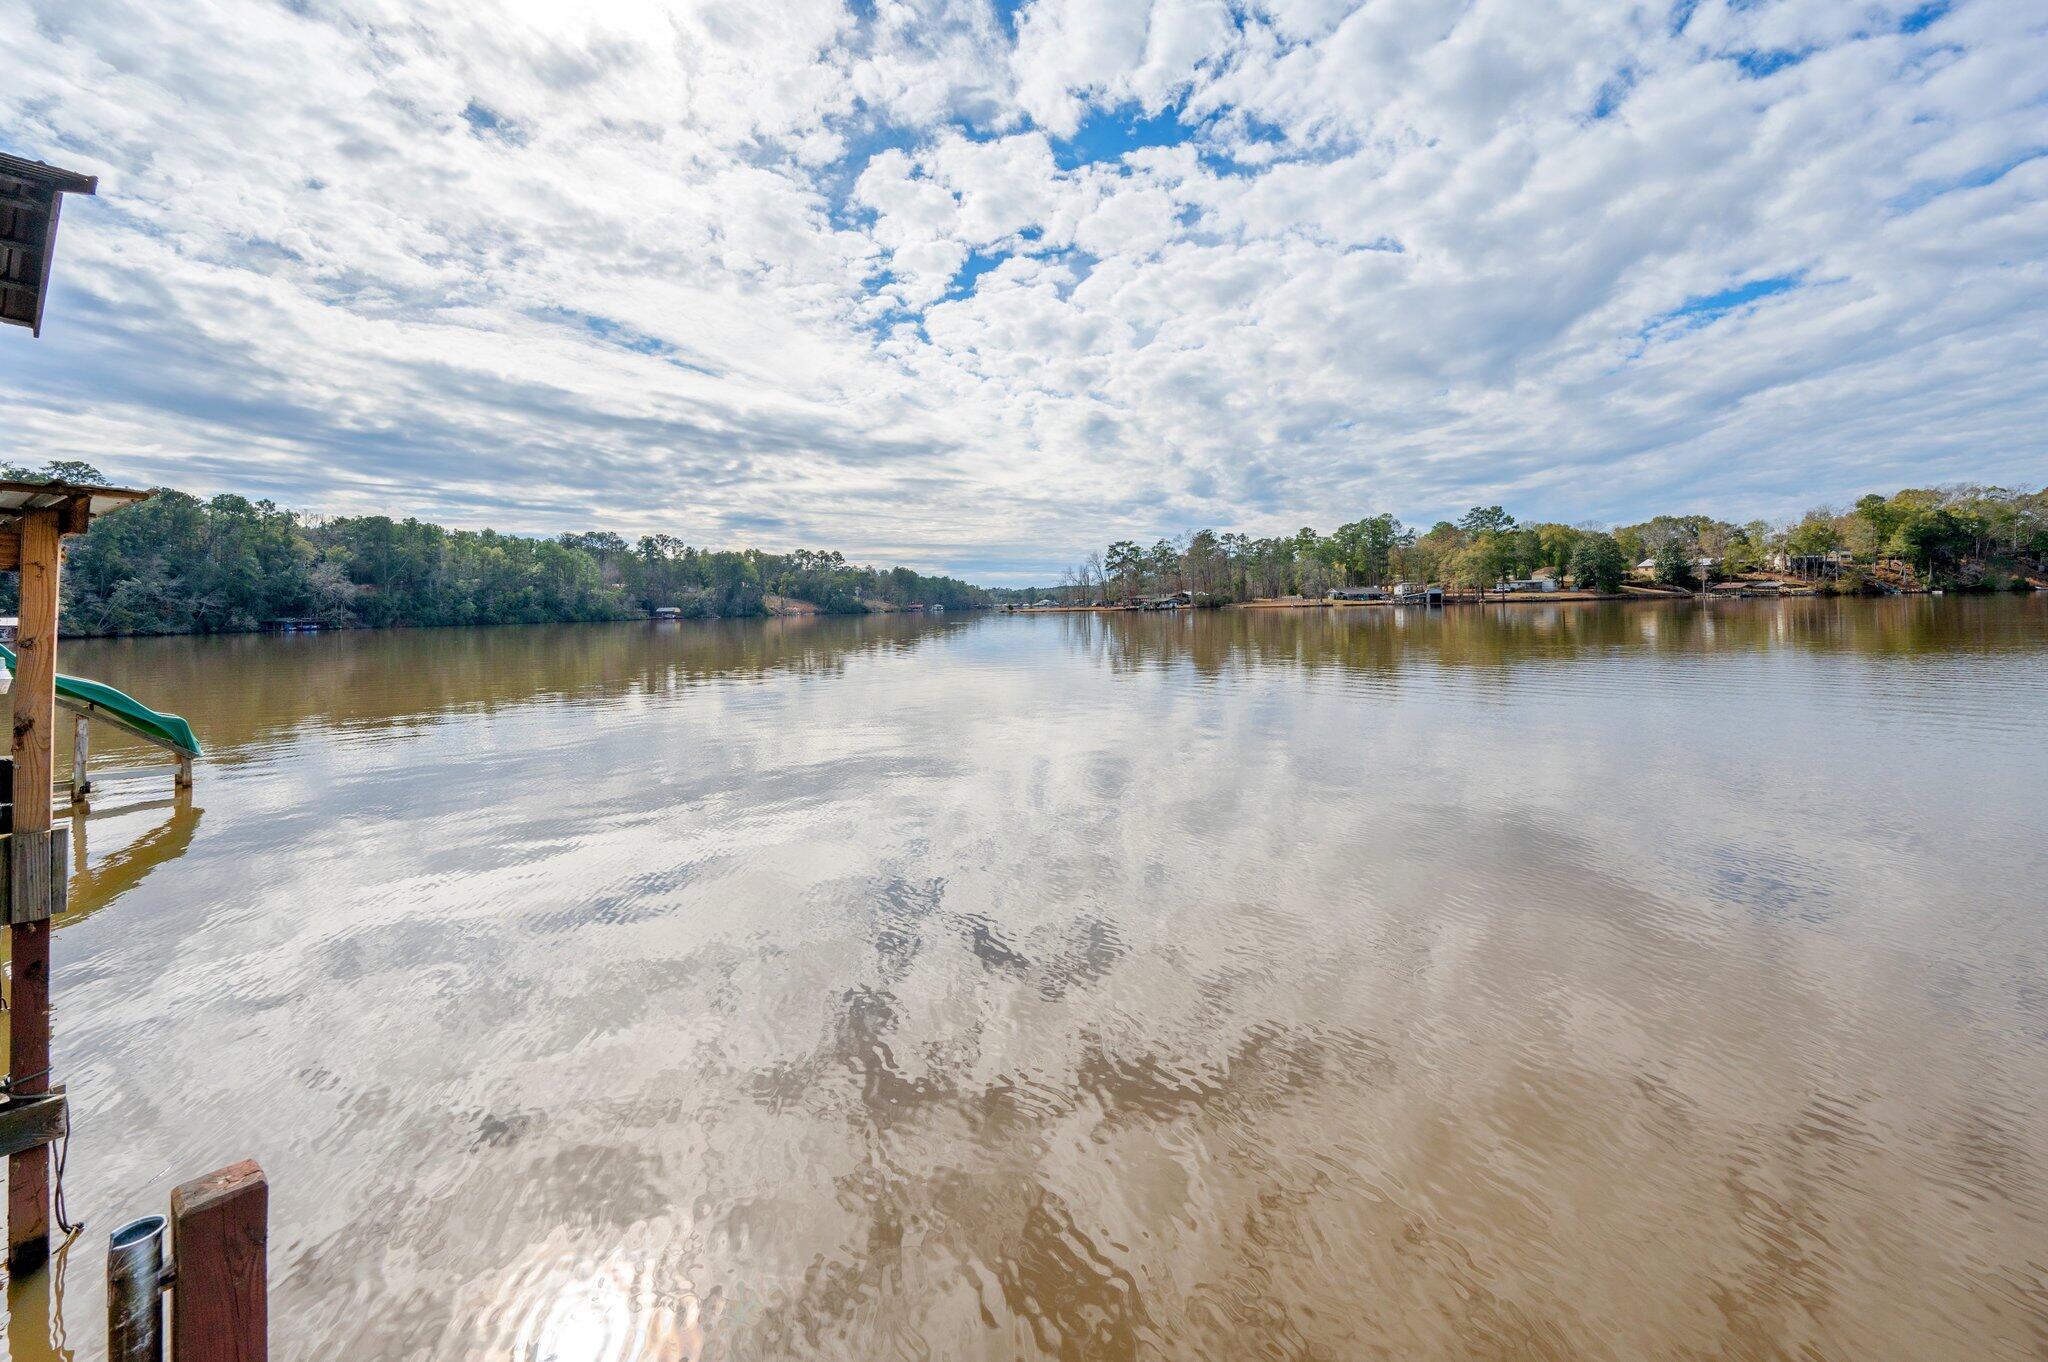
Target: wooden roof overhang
point(77, 505)
point(31, 194)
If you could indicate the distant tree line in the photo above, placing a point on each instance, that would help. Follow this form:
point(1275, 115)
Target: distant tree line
point(1966, 536)
point(178, 565)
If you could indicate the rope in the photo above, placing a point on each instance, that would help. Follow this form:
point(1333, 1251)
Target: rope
point(61, 1148)
point(63, 1152)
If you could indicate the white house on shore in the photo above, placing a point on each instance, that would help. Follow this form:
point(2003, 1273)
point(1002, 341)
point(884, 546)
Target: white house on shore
point(1702, 564)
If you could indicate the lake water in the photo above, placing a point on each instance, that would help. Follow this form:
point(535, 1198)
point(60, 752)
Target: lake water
point(1522, 982)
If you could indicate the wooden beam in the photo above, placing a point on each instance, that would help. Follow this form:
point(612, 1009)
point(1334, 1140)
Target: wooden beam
point(65, 181)
point(81, 744)
point(31, 1122)
point(220, 1231)
point(10, 547)
point(28, 1016)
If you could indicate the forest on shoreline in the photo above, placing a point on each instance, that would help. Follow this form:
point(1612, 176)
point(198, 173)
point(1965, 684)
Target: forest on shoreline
point(1964, 537)
point(176, 564)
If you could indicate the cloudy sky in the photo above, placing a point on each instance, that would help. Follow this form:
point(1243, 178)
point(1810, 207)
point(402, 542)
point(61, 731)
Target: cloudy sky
point(979, 286)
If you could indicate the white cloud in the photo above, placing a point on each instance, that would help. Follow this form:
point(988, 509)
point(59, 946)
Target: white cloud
point(791, 274)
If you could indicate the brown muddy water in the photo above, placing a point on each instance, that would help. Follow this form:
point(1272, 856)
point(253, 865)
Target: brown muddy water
point(1652, 981)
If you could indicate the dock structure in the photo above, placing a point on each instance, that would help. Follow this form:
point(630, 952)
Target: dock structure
point(221, 1221)
point(89, 700)
point(35, 518)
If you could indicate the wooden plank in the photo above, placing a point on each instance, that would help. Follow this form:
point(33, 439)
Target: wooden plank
point(28, 1015)
point(220, 1231)
point(10, 548)
point(31, 1122)
point(35, 879)
point(81, 743)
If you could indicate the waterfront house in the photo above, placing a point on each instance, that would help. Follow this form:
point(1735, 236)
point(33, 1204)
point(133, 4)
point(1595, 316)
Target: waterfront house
point(1357, 593)
point(1701, 565)
point(1527, 584)
point(1828, 564)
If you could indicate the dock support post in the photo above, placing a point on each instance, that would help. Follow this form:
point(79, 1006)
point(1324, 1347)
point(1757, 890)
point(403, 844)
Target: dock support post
point(220, 1229)
point(28, 1016)
point(184, 776)
point(81, 740)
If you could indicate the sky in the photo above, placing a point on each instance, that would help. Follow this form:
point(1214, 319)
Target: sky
point(980, 287)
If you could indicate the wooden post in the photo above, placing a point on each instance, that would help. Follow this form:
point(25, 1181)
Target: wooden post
point(220, 1227)
point(81, 739)
point(28, 1017)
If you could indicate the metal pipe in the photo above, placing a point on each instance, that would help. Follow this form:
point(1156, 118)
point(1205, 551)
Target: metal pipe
point(135, 1291)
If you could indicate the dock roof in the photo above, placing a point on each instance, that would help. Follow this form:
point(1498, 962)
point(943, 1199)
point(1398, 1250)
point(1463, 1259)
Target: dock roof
point(31, 196)
point(79, 502)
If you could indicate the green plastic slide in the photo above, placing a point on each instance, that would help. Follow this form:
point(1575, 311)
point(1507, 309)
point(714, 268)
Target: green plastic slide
point(121, 710)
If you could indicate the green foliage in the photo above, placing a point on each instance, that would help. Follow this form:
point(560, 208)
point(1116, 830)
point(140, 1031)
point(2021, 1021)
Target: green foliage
point(1485, 561)
point(1597, 563)
point(1817, 533)
point(1671, 566)
point(175, 564)
point(1486, 520)
point(1954, 531)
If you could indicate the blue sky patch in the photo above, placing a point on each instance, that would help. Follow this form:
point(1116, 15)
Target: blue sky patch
point(612, 332)
point(1613, 93)
point(485, 121)
point(1707, 307)
point(978, 264)
point(1009, 13)
point(1764, 62)
point(1108, 135)
point(1923, 16)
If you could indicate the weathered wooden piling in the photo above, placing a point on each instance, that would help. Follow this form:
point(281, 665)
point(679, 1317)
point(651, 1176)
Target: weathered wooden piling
point(28, 1015)
point(220, 1230)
